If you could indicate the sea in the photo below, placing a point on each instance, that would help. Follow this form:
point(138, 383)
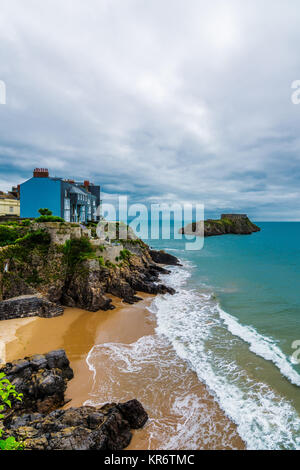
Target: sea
point(223, 366)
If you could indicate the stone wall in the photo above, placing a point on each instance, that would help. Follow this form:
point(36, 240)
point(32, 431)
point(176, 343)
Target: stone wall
point(61, 232)
point(29, 306)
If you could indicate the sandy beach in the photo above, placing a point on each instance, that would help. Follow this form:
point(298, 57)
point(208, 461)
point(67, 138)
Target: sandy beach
point(77, 331)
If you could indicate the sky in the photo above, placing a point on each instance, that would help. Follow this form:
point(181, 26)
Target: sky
point(163, 101)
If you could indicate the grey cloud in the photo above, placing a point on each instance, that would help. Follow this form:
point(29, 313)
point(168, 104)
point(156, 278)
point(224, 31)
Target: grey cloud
point(169, 100)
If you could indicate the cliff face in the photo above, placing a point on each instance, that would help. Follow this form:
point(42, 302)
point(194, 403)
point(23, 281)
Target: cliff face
point(238, 224)
point(80, 272)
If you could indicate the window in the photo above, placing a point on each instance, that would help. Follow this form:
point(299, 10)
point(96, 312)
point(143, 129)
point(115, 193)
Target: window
point(11, 209)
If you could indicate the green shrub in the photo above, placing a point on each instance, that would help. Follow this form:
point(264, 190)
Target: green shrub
point(109, 264)
point(94, 232)
point(45, 212)
point(101, 261)
point(125, 255)
point(25, 223)
point(49, 218)
point(8, 391)
point(8, 235)
point(76, 250)
point(37, 237)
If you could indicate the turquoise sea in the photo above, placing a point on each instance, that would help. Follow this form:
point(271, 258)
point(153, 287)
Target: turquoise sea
point(231, 325)
point(234, 319)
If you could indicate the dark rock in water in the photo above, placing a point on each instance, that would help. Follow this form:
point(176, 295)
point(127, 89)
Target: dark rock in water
point(29, 306)
point(134, 413)
point(161, 257)
point(237, 224)
point(42, 379)
point(38, 423)
point(84, 428)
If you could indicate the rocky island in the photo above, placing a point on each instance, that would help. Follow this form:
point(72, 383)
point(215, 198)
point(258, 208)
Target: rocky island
point(237, 224)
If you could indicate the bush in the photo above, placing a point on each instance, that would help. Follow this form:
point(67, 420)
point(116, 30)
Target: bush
point(8, 235)
point(109, 264)
point(45, 212)
point(125, 255)
point(25, 223)
point(49, 218)
point(31, 239)
point(77, 250)
point(8, 391)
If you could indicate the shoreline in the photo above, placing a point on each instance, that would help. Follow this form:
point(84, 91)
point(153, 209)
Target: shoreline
point(78, 331)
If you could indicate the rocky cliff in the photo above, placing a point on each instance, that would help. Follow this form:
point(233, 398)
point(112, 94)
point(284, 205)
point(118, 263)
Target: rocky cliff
point(38, 422)
point(237, 224)
point(69, 266)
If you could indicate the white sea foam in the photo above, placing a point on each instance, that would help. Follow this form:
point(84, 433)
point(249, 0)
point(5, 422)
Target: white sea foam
point(208, 339)
point(201, 333)
point(148, 367)
point(261, 345)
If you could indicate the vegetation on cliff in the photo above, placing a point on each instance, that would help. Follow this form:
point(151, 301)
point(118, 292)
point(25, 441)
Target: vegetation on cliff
point(68, 265)
point(46, 216)
point(7, 392)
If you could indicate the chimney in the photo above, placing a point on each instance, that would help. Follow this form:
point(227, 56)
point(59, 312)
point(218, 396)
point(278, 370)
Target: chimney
point(41, 173)
point(86, 184)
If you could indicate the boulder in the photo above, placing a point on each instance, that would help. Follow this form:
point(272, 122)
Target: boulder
point(84, 428)
point(42, 379)
point(161, 257)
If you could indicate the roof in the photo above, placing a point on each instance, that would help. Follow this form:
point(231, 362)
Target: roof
point(7, 196)
point(73, 189)
point(76, 190)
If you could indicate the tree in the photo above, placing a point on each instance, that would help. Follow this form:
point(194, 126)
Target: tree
point(8, 391)
point(45, 212)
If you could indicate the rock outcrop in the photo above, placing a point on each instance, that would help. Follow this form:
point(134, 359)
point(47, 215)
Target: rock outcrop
point(89, 288)
point(40, 425)
point(161, 257)
point(237, 224)
point(84, 428)
point(42, 379)
point(29, 306)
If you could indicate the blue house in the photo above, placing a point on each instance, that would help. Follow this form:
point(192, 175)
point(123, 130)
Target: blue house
point(73, 201)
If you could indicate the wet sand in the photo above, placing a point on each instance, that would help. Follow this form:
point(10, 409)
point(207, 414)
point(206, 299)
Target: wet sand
point(77, 331)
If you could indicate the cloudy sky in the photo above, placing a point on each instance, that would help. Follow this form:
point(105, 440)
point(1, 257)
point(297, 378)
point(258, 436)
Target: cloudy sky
point(169, 100)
